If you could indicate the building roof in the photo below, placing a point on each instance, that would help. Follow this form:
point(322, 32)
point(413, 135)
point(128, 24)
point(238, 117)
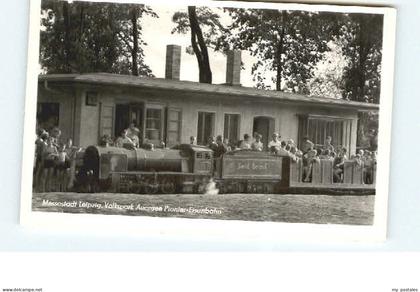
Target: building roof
point(223, 89)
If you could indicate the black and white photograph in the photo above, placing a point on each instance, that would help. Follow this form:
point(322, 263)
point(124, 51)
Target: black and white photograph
point(228, 111)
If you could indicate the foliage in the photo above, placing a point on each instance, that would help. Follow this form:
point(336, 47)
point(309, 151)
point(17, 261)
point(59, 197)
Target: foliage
point(363, 36)
point(287, 43)
point(92, 37)
point(327, 80)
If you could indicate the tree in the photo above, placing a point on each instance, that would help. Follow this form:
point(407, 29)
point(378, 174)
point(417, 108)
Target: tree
point(284, 42)
point(193, 20)
point(363, 36)
point(328, 72)
point(92, 37)
point(129, 33)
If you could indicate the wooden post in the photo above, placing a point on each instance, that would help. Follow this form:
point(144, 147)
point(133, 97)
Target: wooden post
point(348, 172)
point(316, 173)
point(327, 171)
point(357, 173)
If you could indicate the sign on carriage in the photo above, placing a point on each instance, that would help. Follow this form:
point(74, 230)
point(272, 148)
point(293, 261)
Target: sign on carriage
point(258, 116)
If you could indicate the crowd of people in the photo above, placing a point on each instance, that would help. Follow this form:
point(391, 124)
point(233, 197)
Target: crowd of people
point(54, 160)
point(129, 138)
point(308, 153)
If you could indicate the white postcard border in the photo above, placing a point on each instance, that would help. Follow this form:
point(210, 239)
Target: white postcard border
point(154, 226)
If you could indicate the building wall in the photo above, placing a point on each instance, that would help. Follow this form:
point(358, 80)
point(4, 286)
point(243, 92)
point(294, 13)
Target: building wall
point(89, 115)
point(88, 126)
point(285, 115)
point(66, 107)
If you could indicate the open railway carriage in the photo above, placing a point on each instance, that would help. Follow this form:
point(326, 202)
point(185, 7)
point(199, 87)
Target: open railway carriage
point(247, 171)
point(188, 168)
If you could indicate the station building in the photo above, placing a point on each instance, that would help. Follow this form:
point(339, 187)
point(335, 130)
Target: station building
point(87, 106)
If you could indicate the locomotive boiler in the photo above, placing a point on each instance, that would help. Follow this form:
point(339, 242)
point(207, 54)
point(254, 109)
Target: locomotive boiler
point(181, 169)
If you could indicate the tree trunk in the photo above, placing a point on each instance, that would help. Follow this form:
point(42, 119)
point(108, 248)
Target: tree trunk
point(279, 51)
point(135, 50)
point(363, 52)
point(199, 46)
point(67, 45)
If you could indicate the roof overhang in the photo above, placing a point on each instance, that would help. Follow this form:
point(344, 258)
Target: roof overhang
point(106, 79)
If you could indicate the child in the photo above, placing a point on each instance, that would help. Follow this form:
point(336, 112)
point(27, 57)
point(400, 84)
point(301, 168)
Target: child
point(292, 154)
point(62, 167)
point(368, 164)
point(40, 145)
point(245, 143)
point(257, 145)
point(339, 165)
point(326, 154)
point(49, 157)
point(308, 160)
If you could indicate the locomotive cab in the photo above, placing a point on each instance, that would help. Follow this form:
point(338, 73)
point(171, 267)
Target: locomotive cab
point(201, 158)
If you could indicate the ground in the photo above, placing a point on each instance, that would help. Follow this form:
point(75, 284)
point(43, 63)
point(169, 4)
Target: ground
point(322, 209)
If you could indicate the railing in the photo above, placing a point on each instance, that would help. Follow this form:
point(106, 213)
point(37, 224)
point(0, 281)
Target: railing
point(321, 175)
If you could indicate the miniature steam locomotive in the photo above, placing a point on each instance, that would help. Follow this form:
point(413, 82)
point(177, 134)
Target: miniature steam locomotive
point(188, 168)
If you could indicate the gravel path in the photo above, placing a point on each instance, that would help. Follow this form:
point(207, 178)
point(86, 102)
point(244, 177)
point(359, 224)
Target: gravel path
point(323, 209)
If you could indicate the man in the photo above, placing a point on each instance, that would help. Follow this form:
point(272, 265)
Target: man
point(212, 144)
point(275, 143)
point(220, 148)
point(307, 145)
point(257, 145)
point(328, 145)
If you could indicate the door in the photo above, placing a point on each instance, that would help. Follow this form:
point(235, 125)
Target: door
point(122, 118)
point(265, 127)
point(125, 114)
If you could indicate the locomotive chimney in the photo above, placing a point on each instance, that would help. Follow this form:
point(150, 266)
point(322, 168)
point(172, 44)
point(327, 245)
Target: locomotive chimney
point(233, 68)
point(173, 62)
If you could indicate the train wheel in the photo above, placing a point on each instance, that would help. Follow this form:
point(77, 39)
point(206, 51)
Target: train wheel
point(152, 188)
point(168, 188)
point(135, 189)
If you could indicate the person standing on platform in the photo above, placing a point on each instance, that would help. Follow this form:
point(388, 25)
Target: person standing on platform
point(307, 145)
point(245, 143)
point(257, 145)
point(328, 145)
point(212, 143)
point(220, 148)
point(275, 143)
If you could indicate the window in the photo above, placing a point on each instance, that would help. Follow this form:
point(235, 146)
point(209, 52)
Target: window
point(205, 128)
point(317, 128)
point(47, 115)
point(173, 127)
point(231, 128)
point(154, 124)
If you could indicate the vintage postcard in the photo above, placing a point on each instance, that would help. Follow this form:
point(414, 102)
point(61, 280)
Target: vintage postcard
point(262, 118)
